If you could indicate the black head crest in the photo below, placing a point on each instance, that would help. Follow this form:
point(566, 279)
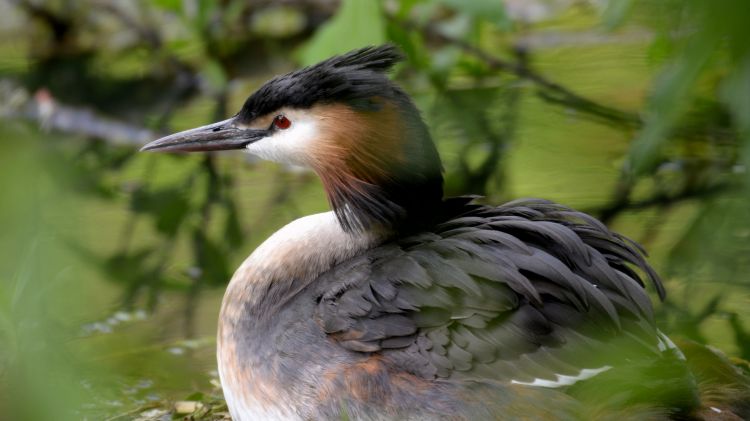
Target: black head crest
point(378, 59)
point(353, 77)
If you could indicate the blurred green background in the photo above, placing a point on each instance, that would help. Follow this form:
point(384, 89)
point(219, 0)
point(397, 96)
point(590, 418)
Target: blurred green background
point(112, 263)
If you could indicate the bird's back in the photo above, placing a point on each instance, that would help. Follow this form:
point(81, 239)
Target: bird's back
point(528, 294)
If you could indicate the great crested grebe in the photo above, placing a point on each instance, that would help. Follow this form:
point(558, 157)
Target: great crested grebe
point(402, 304)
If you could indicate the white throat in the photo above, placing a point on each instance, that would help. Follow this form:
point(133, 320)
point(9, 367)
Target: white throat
point(292, 145)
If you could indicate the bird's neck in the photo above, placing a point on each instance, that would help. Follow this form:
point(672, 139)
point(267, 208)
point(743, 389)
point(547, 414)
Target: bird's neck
point(378, 167)
point(288, 261)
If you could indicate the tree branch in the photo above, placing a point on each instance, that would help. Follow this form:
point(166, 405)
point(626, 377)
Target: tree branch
point(43, 109)
point(608, 213)
point(551, 91)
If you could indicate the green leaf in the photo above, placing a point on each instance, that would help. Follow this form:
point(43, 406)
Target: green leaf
point(168, 207)
point(406, 6)
point(357, 23)
point(129, 268)
point(278, 22)
point(615, 12)
point(492, 11)
point(196, 396)
point(412, 45)
point(206, 10)
point(171, 5)
point(716, 245)
point(215, 75)
point(232, 225)
point(212, 259)
point(459, 26)
point(443, 61)
point(735, 92)
point(668, 101)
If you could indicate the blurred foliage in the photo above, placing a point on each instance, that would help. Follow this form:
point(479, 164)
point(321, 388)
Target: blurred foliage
point(357, 23)
point(35, 365)
point(670, 149)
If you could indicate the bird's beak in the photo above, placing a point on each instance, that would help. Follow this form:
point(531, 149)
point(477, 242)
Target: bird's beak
point(219, 136)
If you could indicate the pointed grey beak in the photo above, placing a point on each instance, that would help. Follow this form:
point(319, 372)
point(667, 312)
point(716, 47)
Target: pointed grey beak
point(219, 136)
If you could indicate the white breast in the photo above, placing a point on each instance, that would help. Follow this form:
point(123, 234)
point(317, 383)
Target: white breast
point(299, 252)
point(251, 409)
point(304, 248)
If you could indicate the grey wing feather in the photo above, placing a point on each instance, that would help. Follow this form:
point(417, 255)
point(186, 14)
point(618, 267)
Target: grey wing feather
point(526, 290)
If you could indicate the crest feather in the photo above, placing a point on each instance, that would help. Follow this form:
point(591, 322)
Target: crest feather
point(376, 58)
point(353, 78)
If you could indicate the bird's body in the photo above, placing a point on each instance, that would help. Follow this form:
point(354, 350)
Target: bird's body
point(400, 304)
point(262, 315)
point(318, 319)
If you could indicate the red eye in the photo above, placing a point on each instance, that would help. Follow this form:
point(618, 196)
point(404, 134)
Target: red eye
point(281, 122)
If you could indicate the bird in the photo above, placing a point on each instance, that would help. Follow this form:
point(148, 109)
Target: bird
point(400, 303)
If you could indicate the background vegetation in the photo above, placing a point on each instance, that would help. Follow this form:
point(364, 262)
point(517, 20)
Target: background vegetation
point(112, 263)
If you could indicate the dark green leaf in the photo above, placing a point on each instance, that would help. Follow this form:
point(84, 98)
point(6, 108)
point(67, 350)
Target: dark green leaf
point(357, 23)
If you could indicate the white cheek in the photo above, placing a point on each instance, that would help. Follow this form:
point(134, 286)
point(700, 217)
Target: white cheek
point(290, 146)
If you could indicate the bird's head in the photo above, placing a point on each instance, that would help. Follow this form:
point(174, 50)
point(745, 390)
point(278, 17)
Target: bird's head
point(348, 122)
